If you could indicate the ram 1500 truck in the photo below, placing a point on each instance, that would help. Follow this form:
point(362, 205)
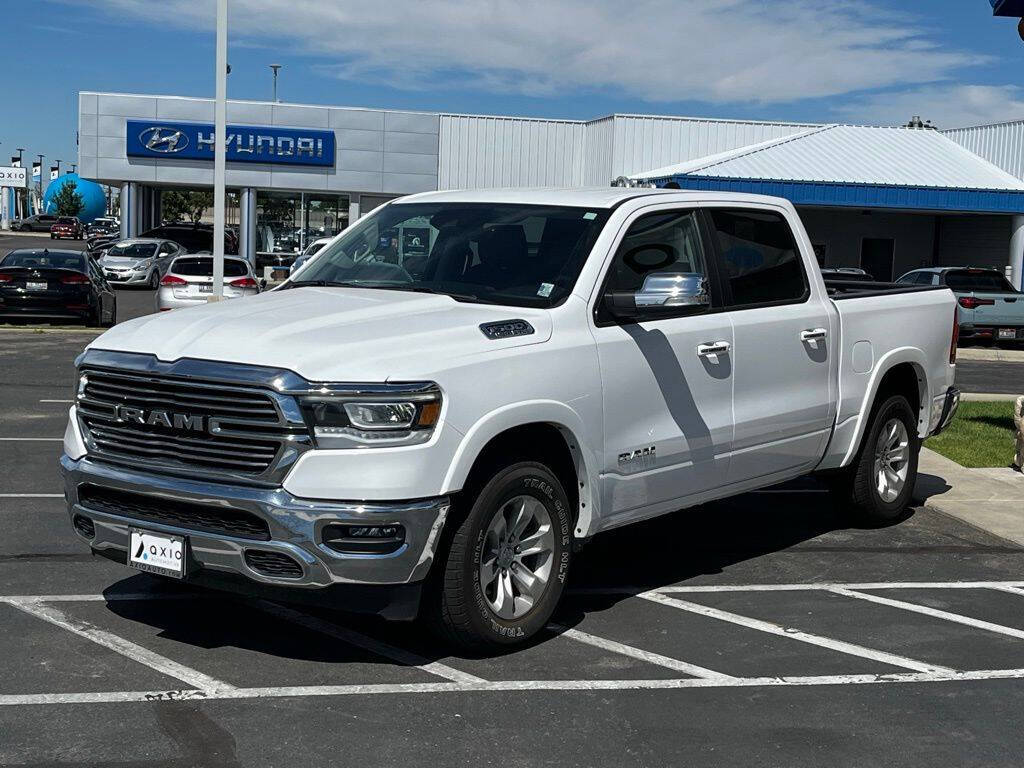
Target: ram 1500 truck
point(463, 387)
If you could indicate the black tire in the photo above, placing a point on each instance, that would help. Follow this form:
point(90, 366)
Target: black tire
point(92, 320)
point(154, 280)
point(460, 611)
point(857, 488)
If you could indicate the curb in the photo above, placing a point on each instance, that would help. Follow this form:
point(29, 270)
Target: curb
point(975, 397)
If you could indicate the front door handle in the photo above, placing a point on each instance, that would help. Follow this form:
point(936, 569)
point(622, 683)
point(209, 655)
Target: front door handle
point(812, 334)
point(713, 348)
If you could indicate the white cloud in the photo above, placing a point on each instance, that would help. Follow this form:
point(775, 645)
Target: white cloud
point(716, 51)
point(947, 106)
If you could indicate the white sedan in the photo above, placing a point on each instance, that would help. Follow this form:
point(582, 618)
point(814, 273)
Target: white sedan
point(189, 281)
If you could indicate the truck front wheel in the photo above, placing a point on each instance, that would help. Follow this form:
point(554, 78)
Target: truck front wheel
point(507, 563)
point(878, 486)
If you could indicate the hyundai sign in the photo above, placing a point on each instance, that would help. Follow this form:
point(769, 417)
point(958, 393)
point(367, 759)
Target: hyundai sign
point(245, 143)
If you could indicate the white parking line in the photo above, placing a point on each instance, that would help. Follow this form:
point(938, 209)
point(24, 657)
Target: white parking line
point(31, 495)
point(366, 643)
point(799, 635)
point(509, 686)
point(1011, 589)
point(828, 585)
point(639, 653)
point(32, 439)
point(56, 401)
point(126, 648)
point(933, 612)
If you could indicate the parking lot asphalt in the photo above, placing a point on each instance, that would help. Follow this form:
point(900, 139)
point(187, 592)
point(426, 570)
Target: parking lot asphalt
point(762, 630)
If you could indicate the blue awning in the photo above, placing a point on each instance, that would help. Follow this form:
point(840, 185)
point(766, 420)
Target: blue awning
point(839, 195)
point(1008, 7)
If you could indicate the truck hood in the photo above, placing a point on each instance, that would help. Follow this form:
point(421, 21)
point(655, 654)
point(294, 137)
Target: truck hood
point(328, 334)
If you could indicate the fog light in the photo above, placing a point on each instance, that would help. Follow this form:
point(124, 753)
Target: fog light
point(364, 539)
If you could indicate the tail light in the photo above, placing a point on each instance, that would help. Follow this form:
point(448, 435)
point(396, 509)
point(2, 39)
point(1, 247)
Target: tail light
point(6, 278)
point(244, 282)
point(970, 302)
point(956, 338)
point(172, 280)
point(75, 279)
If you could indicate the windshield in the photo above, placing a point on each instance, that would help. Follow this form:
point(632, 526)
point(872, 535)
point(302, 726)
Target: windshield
point(132, 251)
point(46, 259)
point(521, 255)
point(986, 282)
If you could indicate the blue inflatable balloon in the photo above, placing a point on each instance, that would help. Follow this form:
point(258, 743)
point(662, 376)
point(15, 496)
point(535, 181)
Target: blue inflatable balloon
point(93, 198)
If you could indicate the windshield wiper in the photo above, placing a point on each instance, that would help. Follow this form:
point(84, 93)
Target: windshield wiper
point(324, 284)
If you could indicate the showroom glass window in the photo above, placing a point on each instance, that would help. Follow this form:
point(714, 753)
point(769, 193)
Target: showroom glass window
point(286, 222)
point(759, 257)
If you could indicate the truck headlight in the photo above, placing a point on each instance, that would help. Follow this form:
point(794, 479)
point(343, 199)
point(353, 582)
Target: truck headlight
point(345, 421)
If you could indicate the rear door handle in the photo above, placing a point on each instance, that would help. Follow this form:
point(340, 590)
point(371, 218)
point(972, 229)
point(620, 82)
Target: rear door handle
point(713, 348)
point(813, 333)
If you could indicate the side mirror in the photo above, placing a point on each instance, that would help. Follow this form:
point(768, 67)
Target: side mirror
point(661, 292)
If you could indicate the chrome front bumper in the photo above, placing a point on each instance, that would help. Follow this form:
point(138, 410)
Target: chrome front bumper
point(295, 527)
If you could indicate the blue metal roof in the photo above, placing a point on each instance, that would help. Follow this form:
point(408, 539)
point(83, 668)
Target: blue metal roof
point(847, 195)
point(1008, 7)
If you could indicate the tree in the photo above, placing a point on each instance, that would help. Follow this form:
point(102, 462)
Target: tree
point(179, 205)
point(68, 201)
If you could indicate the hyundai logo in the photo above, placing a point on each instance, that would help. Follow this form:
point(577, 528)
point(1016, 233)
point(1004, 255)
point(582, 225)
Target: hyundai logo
point(166, 141)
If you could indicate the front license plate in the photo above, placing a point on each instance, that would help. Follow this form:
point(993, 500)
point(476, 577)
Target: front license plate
point(36, 286)
point(157, 553)
point(1007, 333)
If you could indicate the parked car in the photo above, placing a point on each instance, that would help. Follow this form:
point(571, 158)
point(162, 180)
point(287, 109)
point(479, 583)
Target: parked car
point(446, 428)
point(97, 245)
point(103, 225)
point(189, 281)
point(195, 238)
point(990, 308)
point(49, 284)
point(41, 222)
point(66, 226)
point(139, 261)
point(311, 250)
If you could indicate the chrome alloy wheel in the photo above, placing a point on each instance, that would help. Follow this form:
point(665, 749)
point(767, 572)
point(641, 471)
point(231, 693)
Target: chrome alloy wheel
point(892, 460)
point(515, 564)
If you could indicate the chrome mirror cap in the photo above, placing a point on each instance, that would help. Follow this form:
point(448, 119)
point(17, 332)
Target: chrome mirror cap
point(673, 289)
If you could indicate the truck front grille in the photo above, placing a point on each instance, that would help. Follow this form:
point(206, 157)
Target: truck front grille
point(188, 515)
point(182, 424)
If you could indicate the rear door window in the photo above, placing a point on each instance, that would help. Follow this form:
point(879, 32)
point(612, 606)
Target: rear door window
point(760, 260)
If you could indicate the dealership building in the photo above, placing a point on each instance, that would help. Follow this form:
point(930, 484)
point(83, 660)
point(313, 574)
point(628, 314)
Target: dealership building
point(885, 199)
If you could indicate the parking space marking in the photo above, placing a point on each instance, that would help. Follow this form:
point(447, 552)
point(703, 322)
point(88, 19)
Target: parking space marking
point(31, 495)
point(933, 612)
point(126, 648)
point(32, 439)
point(638, 653)
point(828, 585)
point(56, 401)
point(508, 686)
point(366, 643)
point(796, 634)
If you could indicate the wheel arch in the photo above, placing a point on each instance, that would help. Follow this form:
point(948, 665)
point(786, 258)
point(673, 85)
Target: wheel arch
point(543, 431)
point(901, 371)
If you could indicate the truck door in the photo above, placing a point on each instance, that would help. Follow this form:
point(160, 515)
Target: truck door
point(667, 377)
point(783, 401)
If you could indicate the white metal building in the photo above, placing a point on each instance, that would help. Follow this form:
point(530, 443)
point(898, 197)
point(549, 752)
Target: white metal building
point(889, 199)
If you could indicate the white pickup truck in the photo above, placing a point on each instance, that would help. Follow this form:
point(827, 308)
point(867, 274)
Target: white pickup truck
point(436, 412)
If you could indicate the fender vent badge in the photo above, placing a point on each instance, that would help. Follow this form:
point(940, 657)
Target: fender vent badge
point(505, 329)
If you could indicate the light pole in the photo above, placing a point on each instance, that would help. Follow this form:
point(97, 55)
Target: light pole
point(21, 199)
point(220, 148)
point(275, 67)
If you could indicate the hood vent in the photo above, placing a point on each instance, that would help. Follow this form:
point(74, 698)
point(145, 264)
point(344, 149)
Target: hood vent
point(506, 329)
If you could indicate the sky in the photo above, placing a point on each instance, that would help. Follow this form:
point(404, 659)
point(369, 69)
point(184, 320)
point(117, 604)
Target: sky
point(859, 61)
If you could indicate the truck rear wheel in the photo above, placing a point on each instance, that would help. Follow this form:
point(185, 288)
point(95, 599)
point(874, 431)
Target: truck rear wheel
point(506, 566)
point(878, 486)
